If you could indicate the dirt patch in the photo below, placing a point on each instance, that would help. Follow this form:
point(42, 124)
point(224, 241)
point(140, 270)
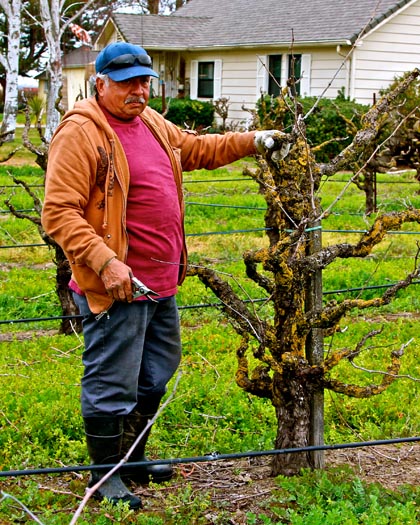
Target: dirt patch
point(19, 161)
point(26, 336)
point(239, 487)
point(389, 465)
point(390, 317)
point(242, 486)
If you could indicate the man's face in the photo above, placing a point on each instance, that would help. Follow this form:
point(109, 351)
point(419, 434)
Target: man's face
point(126, 99)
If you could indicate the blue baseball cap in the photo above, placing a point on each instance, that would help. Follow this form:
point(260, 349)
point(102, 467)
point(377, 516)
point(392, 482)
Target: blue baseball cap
point(121, 61)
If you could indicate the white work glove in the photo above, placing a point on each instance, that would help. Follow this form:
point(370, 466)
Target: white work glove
point(273, 143)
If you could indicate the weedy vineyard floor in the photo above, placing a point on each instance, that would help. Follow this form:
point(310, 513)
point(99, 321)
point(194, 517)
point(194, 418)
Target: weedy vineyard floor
point(389, 465)
point(239, 487)
point(242, 487)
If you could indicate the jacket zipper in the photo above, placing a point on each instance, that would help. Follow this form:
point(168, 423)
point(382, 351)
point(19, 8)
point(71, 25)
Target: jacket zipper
point(101, 314)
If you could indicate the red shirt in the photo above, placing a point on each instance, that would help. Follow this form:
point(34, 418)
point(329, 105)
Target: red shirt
point(153, 212)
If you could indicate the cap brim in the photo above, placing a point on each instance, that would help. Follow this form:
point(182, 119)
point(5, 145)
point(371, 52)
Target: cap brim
point(117, 75)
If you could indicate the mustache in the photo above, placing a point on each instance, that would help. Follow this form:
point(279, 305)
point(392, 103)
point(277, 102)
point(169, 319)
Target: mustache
point(135, 100)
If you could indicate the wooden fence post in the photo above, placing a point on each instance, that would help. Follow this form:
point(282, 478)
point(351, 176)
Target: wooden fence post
point(315, 350)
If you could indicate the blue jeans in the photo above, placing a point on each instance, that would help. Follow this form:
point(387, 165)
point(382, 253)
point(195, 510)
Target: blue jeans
point(129, 357)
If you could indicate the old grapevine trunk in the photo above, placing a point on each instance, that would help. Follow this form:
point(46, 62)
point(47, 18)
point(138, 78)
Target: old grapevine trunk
point(291, 398)
point(288, 343)
point(292, 208)
point(70, 323)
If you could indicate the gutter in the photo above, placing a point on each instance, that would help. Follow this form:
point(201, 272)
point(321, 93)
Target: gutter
point(253, 45)
point(378, 21)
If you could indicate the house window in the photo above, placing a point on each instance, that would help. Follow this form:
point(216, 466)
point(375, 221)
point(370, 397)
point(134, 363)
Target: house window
point(274, 77)
point(295, 73)
point(205, 88)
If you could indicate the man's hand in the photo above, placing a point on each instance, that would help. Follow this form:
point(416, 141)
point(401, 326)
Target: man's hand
point(273, 143)
point(116, 277)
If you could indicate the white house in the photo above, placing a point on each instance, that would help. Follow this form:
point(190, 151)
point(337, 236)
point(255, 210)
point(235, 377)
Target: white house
point(77, 69)
point(238, 49)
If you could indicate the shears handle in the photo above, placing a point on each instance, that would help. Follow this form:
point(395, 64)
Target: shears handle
point(140, 289)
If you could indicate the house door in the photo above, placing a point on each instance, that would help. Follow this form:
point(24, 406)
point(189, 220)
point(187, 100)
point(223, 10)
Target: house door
point(171, 74)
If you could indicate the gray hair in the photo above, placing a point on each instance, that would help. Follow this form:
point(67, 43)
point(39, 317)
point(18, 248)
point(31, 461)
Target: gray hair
point(104, 77)
point(92, 81)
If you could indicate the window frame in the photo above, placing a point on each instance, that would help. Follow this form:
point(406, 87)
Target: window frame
point(217, 79)
point(205, 79)
point(275, 65)
point(294, 71)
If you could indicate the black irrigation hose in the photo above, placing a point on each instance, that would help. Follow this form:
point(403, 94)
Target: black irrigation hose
point(215, 456)
point(202, 305)
point(17, 186)
point(44, 245)
point(378, 181)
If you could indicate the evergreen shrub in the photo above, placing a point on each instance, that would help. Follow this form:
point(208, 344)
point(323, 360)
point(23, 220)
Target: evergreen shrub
point(185, 112)
point(332, 122)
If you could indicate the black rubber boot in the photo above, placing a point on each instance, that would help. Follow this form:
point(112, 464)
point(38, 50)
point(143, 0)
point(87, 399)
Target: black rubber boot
point(103, 439)
point(134, 424)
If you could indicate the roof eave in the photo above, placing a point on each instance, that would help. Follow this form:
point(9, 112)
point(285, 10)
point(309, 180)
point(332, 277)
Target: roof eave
point(251, 45)
point(381, 19)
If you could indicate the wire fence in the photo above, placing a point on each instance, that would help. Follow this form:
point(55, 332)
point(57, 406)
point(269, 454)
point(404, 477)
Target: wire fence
point(216, 206)
point(214, 456)
point(237, 179)
point(201, 305)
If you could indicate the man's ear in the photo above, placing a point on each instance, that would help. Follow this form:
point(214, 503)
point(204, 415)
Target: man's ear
point(100, 84)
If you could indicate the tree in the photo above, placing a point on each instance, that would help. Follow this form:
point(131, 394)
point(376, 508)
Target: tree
point(291, 372)
point(70, 323)
point(32, 28)
point(10, 63)
point(51, 14)
point(31, 48)
point(35, 30)
point(32, 44)
point(153, 6)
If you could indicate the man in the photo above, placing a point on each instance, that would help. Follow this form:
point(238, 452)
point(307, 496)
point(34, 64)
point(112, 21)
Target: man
point(113, 201)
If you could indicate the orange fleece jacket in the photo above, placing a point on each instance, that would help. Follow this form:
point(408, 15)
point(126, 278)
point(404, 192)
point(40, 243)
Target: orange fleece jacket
point(87, 182)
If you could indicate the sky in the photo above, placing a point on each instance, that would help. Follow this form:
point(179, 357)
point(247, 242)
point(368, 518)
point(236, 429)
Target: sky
point(27, 82)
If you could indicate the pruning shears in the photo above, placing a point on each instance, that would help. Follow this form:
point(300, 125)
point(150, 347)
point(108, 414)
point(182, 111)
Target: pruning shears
point(140, 289)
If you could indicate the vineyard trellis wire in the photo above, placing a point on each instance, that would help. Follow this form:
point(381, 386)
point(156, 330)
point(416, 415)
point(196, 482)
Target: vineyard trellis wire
point(222, 206)
point(215, 457)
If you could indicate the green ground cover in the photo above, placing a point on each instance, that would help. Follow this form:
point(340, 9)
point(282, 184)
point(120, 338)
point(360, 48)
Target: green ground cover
point(40, 370)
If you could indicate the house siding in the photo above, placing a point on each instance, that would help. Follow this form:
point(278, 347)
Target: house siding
point(390, 49)
point(243, 73)
point(76, 84)
point(387, 52)
point(329, 72)
point(238, 81)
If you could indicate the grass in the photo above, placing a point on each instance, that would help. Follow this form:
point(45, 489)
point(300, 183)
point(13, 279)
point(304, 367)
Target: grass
point(334, 498)
point(22, 156)
point(40, 373)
